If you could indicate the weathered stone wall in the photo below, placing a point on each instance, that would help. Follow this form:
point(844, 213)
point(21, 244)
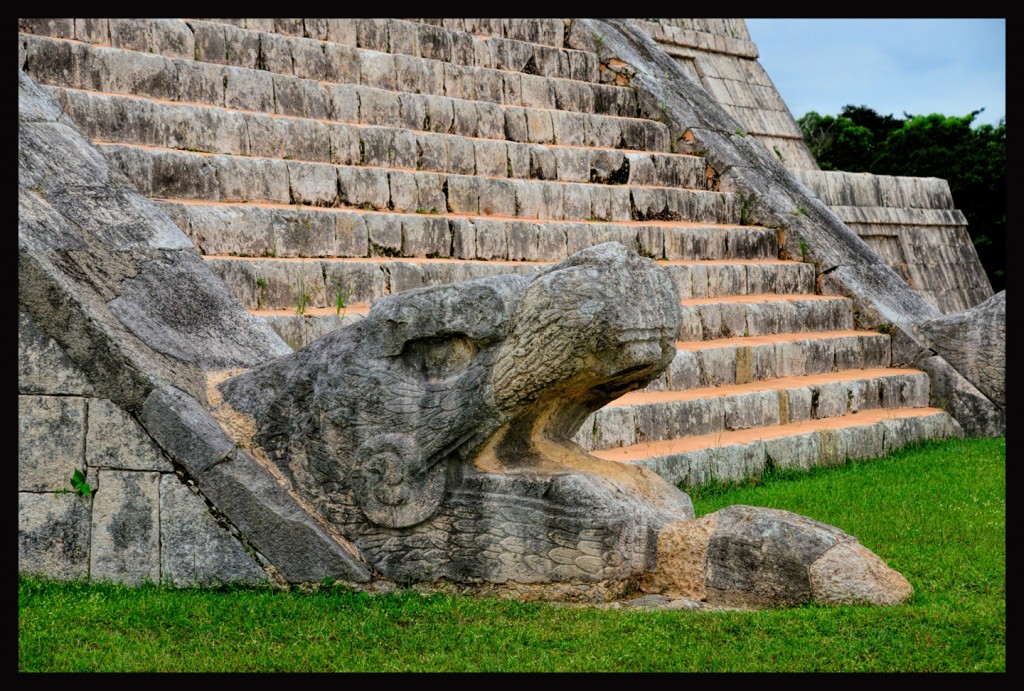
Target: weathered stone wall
point(912, 223)
point(719, 54)
point(914, 226)
point(120, 323)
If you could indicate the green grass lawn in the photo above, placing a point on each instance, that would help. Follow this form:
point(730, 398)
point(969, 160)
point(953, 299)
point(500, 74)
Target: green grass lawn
point(936, 513)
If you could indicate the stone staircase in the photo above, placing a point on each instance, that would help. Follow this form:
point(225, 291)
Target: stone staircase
point(321, 164)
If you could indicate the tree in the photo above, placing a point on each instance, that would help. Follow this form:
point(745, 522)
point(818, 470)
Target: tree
point(972, 160)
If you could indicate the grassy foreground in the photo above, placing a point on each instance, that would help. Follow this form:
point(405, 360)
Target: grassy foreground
point(936, 513)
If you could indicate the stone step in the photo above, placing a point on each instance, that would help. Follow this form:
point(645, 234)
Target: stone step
point(277, 283)
point(299, 330)
point(75, 65)
point(169, 173)
point(708, 319)
point(117, 119)
point(397, 36)
point(388, 53)
point(646, 416)
point(281, 230)
point(345, 65)
point(734, 456)
point(547, 32)
point(720, 362)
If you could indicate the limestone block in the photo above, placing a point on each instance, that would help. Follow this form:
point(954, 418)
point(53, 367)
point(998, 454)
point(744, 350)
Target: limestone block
point(344, 102)
point(286, 280)
point(568, 129)
point(315, 184)
point(795, 452)
point(538, 126)
point(59, 28)
point(522, 241)
point(430, 192)
point(572, 165)
point(372, 34)
point(491, 158)
point(571, 95)
point(195, 550)
point(418, 76)
point(53, 535)
point(403, 191)
point(463, 194)
point(463, 238)
point(518, 160)
point(304, 233)
point(403, 276)
point(51, 441)
point(576, 202)
point(341, 63)
point(489, 85)
point(832, 399)
point(613, 426)
point(496, 197)
point(425, 236)
point(512, 88)
point(351, 235)
point(491, 239)
point(363, 187)
point(432, 151)
point(342, 30)
point(242, 47)
point(720, 366)
point(461, 157)
point(315, 100)
point(727, 279)
point(385, 233)
point(310, 140)
point(171, 38)
point(276, 53)
point(210, 44)
point(464, 117)
point(365, 280)
point(377, 107)
point(515, 125)
point(239, 179)
point(43, 366)
point(308, 60)
point(288, 96)
point(126, 528)
point(551, 242)
point(440, 112)
point(92, 30)
point(129, 34)
point(684, 372)
point(377, 70)
point(435, 43)
point(114, 440)
point(490, 122)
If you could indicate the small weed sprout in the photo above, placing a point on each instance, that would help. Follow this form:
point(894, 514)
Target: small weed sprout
point(740, 133)
point(302, 296)
point(342, 295)
point(79, 485)
point(804, 250)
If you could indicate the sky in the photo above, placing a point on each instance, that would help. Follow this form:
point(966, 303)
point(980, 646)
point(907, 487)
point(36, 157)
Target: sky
point(917, 66)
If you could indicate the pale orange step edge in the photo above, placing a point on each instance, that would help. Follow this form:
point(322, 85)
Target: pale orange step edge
point(771, 339)
point(761, 297)
point(470, 217)
point(351, 310)
point(327, 121)
point(507, 262)
point(648, 397)
point(668, 447)
point(246, 157)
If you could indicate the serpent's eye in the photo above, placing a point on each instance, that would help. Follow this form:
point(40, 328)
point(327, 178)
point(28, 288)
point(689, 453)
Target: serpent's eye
point(439, 357)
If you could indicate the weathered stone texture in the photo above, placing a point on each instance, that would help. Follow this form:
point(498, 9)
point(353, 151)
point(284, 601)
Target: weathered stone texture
point(53, 535)
point(195, 550)
point(116, 441)
point(126, 527)
point(51, 441)
point(43, 366)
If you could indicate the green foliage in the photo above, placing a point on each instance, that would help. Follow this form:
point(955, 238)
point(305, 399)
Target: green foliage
point(971, 159)
point(342, 294)
point(936, 513)
point(78, 485)
point(302, 296)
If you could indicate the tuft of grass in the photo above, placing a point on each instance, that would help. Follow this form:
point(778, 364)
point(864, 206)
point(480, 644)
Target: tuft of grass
point(935, 512)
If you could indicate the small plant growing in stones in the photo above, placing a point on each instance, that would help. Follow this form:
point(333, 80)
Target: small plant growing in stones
point(740, 133)
point(804, 250)
point(342, 295)
point(302, 296)
point(78, 485)
point(800, 211)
